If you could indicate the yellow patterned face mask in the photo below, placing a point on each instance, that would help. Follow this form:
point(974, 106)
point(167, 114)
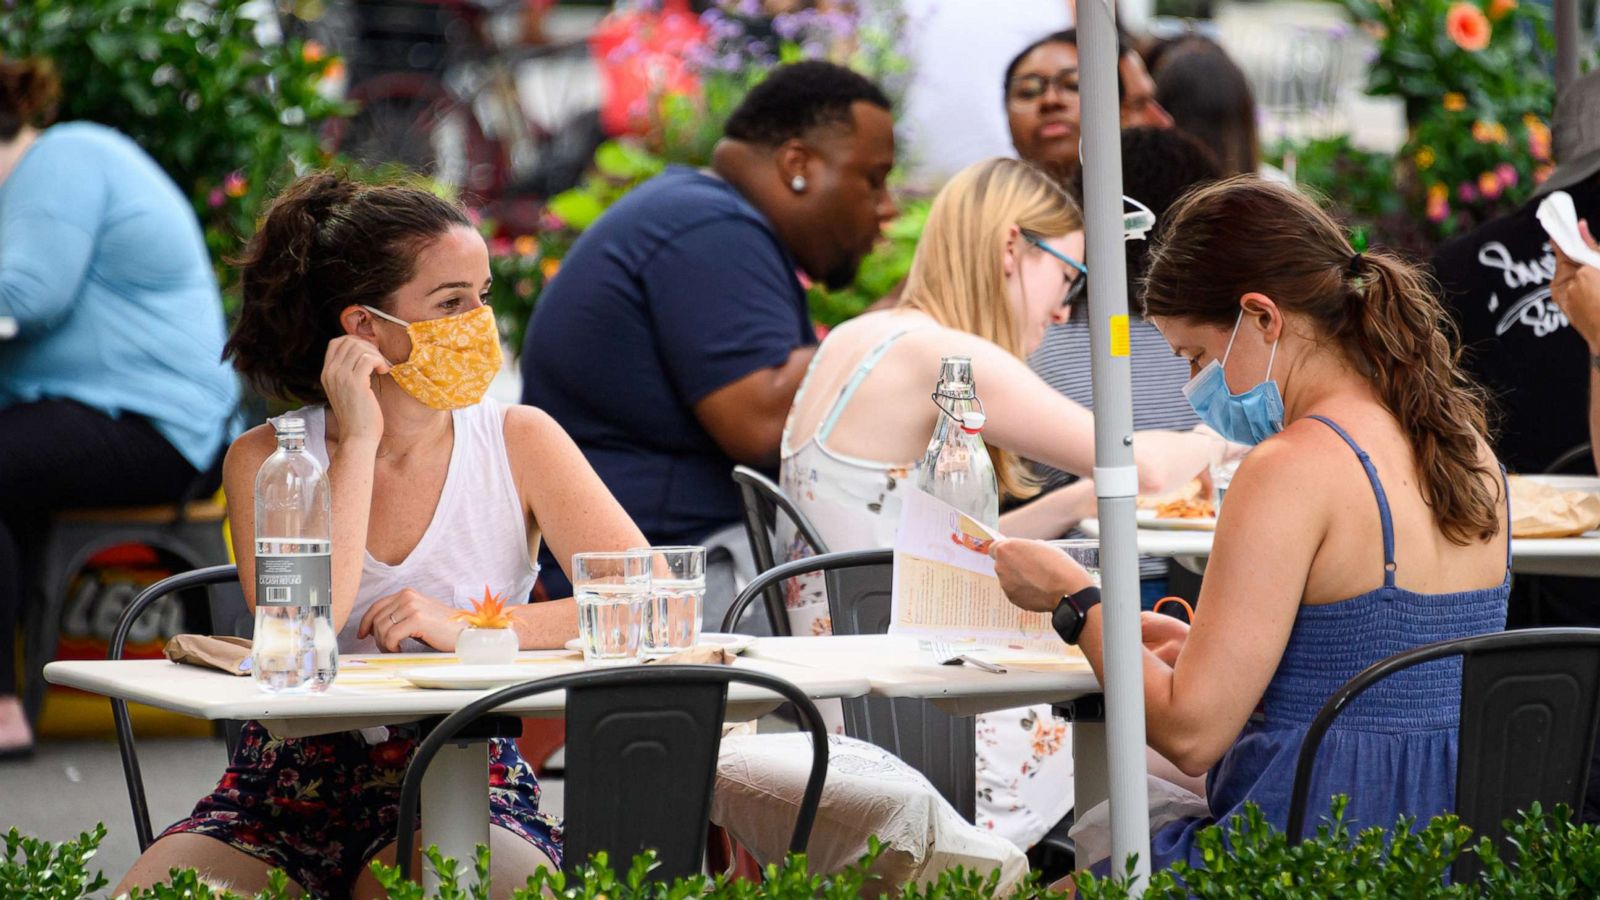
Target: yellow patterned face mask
point(452, 360)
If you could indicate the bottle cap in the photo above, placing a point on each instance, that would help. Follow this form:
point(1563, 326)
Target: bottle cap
point(289, 425)
point(972, 421)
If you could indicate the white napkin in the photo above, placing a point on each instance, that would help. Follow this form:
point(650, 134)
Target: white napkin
point(1560, 221)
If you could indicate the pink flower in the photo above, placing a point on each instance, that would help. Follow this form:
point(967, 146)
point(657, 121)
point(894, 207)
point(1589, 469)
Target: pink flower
point(1466, 24)
point(1507, 173)
point(1466, 193)
point(235, 185)
point(216, 198)
point(1438, 211)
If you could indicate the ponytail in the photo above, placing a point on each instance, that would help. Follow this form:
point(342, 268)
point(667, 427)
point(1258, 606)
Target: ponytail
point(325, 244)
point(1398, 329)
point(1243, 235)
point(29, 93)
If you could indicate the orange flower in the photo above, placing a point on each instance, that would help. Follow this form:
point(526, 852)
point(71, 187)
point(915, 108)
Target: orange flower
point(1489, 185)
point(1455, 101)
point(1468, 27)
point(1499, 9)
point(490, 612)
point(1538, 139)
point(1425, 158)
point(549, 266)
point(312, 52)
point(1542, 173)
point(1488, 132)
point(525, 245)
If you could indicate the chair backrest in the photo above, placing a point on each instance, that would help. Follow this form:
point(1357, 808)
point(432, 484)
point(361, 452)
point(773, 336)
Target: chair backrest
point(822, 562)
point(860, 587)
point(1530, 702)
point(763, 500)
point(217, 577)
point(642, 745)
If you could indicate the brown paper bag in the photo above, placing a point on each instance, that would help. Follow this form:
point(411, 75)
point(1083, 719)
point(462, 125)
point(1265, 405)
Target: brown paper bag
point(225, 654)
point(697, 656)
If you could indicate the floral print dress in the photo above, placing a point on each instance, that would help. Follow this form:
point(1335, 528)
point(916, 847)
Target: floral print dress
point(1024, 756)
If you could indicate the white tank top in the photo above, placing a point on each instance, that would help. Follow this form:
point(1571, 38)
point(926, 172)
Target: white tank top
point(478, 537)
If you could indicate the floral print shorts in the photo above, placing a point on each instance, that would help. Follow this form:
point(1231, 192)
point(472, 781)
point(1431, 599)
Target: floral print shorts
point(321, 807)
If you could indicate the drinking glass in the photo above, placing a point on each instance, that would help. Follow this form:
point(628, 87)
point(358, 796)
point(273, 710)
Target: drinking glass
point(1085, 552)
point(677, 591)
point(612, 590)
point(1224, 462)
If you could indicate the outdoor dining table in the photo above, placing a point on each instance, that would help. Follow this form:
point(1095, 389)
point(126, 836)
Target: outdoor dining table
point(1576, 556)
point(369, 691)
point(901, 666)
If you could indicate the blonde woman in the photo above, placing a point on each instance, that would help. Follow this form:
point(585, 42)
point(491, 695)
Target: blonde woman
point(998, 254)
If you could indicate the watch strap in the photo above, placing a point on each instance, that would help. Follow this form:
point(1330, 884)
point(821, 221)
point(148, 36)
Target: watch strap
point(1072, 612)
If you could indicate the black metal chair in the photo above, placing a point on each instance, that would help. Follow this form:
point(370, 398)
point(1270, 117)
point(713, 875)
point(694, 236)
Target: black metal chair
point(1530, 701)
point(635, 732)
point(763, 500)
point(940, 746)
point(229, 615)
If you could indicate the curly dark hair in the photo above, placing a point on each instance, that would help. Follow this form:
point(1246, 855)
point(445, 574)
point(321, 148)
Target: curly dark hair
point(327, 243)
point(1159, 165)
point(29, 93)
point(798, 97)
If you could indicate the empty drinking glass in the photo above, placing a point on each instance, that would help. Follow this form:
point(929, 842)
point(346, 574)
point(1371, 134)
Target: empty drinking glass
point(1085, 552)
point(612, 590)
point(677, 589)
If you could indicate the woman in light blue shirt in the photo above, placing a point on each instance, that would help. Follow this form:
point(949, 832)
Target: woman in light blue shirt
point(112, 389)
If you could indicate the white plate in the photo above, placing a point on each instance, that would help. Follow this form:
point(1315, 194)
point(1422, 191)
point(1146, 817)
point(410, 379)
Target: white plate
point(1566, 482)
point(733, 643)
point(472, 678)
point(1148, 519)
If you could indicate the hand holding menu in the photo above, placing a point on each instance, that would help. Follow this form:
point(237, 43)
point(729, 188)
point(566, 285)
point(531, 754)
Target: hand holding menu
point(945, 588)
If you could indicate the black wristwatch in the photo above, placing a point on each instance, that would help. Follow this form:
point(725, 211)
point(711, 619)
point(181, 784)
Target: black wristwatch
point(1072, 612)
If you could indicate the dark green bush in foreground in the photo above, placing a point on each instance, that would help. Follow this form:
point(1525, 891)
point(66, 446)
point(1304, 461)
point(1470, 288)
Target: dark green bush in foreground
point(1546, 857)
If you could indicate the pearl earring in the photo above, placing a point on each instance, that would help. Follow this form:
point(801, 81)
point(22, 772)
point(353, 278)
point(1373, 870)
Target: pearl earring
point(798, 184)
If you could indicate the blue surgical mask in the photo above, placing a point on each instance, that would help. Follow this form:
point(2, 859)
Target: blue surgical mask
point(1247, 418)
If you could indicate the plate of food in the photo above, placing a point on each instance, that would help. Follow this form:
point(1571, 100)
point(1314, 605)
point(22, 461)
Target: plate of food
point(1190, 509)
point(733, 643)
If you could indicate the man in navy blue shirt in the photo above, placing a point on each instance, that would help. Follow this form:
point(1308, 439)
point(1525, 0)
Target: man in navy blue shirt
point(672, 343)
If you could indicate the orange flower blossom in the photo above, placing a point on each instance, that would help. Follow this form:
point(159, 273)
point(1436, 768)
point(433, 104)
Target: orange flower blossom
point(1468, 26)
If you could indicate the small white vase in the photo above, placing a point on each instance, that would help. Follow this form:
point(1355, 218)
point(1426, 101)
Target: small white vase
point(486, 646)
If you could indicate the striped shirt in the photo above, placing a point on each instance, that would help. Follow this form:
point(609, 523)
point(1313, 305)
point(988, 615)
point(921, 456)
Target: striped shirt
point(1063, 361)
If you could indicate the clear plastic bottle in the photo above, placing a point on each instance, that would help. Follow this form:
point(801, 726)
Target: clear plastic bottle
point(295, 648)
point(956, 467)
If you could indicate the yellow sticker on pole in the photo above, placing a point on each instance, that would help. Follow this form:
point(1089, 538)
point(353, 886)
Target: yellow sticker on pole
point(1119, 335)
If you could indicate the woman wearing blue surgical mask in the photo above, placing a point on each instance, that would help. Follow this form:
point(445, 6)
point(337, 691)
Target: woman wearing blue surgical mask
point(1370, 519)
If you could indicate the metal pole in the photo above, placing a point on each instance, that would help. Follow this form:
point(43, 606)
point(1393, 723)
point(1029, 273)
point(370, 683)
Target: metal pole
point(1568, 35)
point(1116, 480)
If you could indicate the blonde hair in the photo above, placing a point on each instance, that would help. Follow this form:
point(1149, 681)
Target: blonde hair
point(956, 277)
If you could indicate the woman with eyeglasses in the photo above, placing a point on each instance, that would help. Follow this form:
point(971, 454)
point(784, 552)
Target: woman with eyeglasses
point(998, 256)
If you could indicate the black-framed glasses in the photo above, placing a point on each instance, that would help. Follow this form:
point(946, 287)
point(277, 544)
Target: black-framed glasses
point(1076, 286)
point(1030, 88)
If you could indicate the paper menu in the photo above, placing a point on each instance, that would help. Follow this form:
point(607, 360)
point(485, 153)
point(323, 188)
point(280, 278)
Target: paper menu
point(1560, 220)
point(945, 587)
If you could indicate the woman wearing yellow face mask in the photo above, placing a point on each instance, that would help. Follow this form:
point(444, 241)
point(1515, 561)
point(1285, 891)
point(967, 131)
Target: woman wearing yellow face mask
point(366, 303)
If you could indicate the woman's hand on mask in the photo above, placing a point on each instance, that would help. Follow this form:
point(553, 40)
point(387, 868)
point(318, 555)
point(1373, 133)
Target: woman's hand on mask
point(408, 614)
point(1035, 575)
point(347, 373)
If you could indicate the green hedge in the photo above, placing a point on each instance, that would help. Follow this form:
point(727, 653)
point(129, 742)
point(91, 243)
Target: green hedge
point(1548, 856)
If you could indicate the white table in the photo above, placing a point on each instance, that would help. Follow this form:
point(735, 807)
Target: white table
point(369, 692)
point(895, 667)
point(1578, 556)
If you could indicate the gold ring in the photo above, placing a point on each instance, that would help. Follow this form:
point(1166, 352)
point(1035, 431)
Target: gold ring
point(391, 619)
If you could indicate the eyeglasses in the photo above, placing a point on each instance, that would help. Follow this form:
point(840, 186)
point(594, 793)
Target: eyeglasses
point(1025, 89)
point(1076, 286)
